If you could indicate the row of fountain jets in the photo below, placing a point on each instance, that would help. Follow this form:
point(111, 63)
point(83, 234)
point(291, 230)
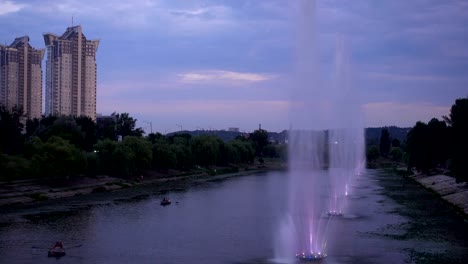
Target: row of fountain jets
point(326, 144)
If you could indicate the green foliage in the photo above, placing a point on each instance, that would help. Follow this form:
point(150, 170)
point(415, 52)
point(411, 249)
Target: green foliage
point(13, 167)
point(259, 140)
point(116, 158)
point(396, 154)
point(243, 150)
point(183, 155)
point(163, 155)
point(385, 143)
point(56, 158)
point(142, 151)
point(458, 120)
point(439, 142)
point(92, 161)
point(205, 150)
point(282, 151)
point(153, 137)
point(396, 143)
point(11, 141)
point(427, 145)
point(125, 125)
point(418, 147)
point(123, 160)
point(62, 146)
point(372, 153)
point(106, 128)
point(66, 128)
point(88, 129)
point(32, 127)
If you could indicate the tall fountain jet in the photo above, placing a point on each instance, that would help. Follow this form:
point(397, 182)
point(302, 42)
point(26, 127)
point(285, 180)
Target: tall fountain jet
point(326, 144)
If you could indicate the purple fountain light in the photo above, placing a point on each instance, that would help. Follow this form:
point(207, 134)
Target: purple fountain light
point(326, 144)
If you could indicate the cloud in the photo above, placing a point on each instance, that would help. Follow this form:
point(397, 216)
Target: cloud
point(177, 18)
point(223, 76)
point(7, 7)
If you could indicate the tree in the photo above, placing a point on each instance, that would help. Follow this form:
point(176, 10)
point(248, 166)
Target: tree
point(88, 129)
point(458, 120)
point(244, 149)
point(396, 154)
point(32, 127)
point(14, 167)
point(385, 142)
point(106, 128)
point(396, 143)
point(372, 153)
point(11, 140)
point(259, 139)
point(180, 145)
point(439, 143)
point(126, 125)
point(116, 158)
point(56, 158)
point(163, 155)
point(153, 137)
point(67, 128)
point(142, 150)
point(205, 150)
point(418, 147)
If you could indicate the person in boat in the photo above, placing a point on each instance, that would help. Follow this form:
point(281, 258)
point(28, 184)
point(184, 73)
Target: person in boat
point(165, 200)
point(58, 246)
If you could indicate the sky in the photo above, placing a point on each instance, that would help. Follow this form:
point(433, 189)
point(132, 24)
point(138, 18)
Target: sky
point(215, 64)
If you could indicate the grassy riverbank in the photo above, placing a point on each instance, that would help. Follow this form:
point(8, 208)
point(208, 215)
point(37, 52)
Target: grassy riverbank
point(429, 218)
point(19, 193)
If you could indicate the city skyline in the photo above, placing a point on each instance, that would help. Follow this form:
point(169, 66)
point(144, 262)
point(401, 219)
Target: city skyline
point(21, 77)
point(71, 73)
point(219, 64)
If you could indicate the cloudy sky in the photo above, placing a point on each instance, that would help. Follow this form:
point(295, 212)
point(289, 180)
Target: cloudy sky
point(214, 64)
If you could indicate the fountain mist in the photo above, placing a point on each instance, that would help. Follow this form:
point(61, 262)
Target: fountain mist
point(326, 144)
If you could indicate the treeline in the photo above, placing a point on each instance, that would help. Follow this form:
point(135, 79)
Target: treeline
point(439, 145)
point(61, 146)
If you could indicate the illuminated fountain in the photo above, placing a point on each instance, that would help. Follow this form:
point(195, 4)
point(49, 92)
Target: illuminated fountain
point(326, 147)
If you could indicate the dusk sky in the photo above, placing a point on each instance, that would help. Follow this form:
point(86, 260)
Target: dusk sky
point(214, 64)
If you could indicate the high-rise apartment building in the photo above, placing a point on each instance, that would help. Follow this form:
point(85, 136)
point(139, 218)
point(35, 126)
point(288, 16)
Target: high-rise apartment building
point(71, 73)
point(21, 77)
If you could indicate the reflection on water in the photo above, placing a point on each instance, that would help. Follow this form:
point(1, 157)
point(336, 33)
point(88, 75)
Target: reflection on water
point(234, 221)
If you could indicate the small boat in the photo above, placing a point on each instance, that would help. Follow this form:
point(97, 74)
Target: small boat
point(56, 253)
point(165, 202)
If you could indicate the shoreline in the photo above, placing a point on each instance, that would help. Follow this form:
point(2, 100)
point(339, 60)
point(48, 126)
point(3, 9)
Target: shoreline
point(445, 188)
point(36, 197)
point(24, 200)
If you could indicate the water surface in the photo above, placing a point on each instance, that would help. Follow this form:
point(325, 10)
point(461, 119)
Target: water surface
point(231, 221)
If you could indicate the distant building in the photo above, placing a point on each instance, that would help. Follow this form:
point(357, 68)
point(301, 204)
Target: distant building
point(71, 73)
point(233, 129)
point(21, 77)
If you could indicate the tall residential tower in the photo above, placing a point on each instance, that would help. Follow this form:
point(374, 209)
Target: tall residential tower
point(21, 77)
point(71, 74)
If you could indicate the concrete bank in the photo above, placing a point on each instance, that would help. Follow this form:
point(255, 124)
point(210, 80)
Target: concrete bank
point(446, 186)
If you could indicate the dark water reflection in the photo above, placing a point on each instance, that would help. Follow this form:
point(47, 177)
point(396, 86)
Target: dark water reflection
point(233, 221)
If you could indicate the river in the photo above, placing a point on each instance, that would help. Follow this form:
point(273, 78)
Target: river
point(236, 221)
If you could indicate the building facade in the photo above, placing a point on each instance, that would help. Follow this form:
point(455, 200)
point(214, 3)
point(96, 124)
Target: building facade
point(21, 77)
point(71, 74)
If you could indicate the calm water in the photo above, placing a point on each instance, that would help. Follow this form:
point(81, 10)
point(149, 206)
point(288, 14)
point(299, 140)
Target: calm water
point(233, 221)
